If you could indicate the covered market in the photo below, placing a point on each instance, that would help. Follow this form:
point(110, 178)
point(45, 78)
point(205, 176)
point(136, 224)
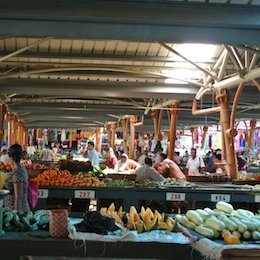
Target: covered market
point(130, 129)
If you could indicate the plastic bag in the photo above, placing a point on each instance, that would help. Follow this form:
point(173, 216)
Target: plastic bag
point(33, 187)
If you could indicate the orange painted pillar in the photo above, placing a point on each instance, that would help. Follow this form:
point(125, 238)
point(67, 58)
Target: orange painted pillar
point(11, 118)
point(132, 137)
point(125, 122)
point(20, 131)
point(174, 112)
point(108, 134)
point(223, 101)
point(2, 118)
point(204, 134)
point(157, 118)
point(98, 140)
point(113, 132)
point(251, 133)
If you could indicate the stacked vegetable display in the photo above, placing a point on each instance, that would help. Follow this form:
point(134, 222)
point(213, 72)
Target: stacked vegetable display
point(146, 220)
point(13, 221)
point(232, 225)
point(55, 177)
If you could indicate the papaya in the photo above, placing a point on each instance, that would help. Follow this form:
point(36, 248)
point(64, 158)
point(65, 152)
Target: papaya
point(151, 223)
point(170, 224)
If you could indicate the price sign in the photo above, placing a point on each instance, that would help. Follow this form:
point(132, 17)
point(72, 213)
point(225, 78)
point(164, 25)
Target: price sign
point(43, 194)
point(173, 196)
point(84, 194)
point(220, 197)
point(257, 198)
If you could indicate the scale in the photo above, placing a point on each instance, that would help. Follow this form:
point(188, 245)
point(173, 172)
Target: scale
point(3, 193)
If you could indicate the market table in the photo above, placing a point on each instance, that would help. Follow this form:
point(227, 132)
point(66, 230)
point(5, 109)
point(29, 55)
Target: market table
point(132, 195)
point(39, 243)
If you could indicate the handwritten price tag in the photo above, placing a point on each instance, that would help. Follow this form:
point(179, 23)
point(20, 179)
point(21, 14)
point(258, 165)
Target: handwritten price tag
point(257, 198)
point(43, 194)
point(84, 194)
point(220, 197)
point(173, 196)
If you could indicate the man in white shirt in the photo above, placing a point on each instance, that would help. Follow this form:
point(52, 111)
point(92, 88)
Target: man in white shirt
point(93, 154)
point(195, 163)
point(142, 158)
point(4, 155)
point(47, 154)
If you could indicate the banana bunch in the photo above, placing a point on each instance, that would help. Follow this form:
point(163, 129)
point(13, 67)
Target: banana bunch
point(13, 221)
point(146, 220)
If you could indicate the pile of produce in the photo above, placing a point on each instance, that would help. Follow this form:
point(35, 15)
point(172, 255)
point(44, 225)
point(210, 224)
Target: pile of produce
point(172, 182)
point(5, 167)
point(13, 221)
point(146, 220)
point(55, 177)
point(34, 166)
point(75, 166)
point(232, 225)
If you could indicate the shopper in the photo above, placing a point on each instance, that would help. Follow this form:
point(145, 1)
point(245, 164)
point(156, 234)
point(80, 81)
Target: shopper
point(93, 154)
point(147, 172)
point(111, 159)
point(141, 159)
point(47, 154)
point(195, 163)
point(126, 165)
point(17, 182)
point(5, 158)
point(170, 168)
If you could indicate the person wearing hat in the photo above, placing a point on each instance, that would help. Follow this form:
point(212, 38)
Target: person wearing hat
point(5, 156)
point(126, 165)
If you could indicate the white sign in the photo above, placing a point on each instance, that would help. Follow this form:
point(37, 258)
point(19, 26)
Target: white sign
point(84, 194)
point(43, 194)
point(257, 198)
point(220, 197)
point(173, 196)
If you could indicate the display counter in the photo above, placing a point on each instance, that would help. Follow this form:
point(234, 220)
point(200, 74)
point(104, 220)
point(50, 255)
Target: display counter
point(39, 243)
point(132, 196)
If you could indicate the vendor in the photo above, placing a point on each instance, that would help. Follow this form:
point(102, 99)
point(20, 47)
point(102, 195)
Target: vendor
point(195, 163)
point(126, 165)
point(111, 159)
point(147, 172)
point(219, 165)
point(169, 168)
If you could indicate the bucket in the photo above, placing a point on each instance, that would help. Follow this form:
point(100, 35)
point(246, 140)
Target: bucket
point(58, 222)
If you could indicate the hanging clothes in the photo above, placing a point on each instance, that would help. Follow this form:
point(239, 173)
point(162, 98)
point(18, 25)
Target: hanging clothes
point(63, 135)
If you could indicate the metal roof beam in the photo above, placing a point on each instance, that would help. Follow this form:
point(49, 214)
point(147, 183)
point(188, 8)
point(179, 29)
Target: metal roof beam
point(139, 20)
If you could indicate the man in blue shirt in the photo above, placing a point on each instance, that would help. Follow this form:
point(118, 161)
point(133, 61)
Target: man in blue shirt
point(93, 154)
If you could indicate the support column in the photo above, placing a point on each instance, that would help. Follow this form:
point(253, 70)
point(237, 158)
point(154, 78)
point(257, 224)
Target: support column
point(113, 132)
point(125, 122)
point(204, 134)
point(11, 118)
point(174, 112)
point(157, 118)
point(132, 137)
point(223, 101)
point(98, 140)
point(2, 117)
point(20, 131)
point(192, 135)
point(251, 133)
point(108, 134)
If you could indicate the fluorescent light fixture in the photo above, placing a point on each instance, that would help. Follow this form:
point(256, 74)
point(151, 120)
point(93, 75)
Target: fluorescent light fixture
point(174, 81)
point(179, 76)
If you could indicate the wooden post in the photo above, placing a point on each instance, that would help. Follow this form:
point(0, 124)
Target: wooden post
point(108, 134)
point(125, 122)
point(2, 117)
point(132, 137)
point(113, 132)
point(98, 140)
point(192, 135)
point(204, 134)
point(251, 133)
point(174, 112)
point(11, 118)
point(20, 131)
point(223, 101)
point(157, 118)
